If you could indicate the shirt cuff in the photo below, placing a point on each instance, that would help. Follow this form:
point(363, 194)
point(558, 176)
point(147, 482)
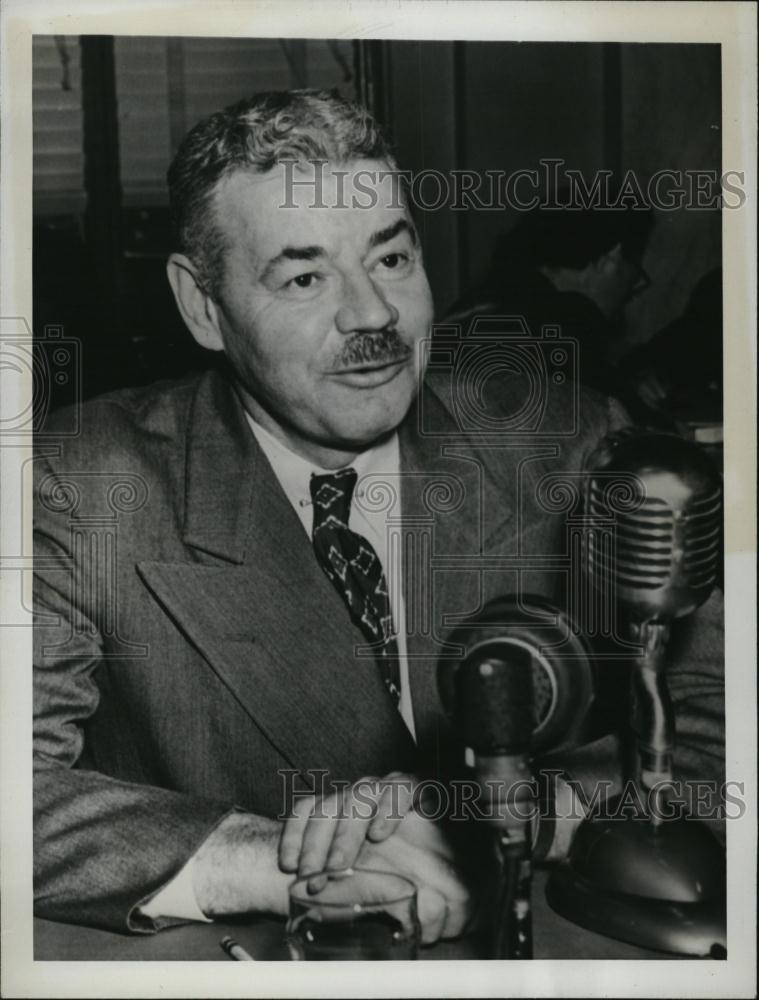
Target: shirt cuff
point(176, 899)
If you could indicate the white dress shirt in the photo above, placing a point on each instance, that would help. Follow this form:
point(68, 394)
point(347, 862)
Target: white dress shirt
point(377, 465)
point(380, 464)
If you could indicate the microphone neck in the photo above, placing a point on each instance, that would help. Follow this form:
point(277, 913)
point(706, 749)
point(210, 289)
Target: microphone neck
point(652, 715)
point(507, 794)
point(653, 636)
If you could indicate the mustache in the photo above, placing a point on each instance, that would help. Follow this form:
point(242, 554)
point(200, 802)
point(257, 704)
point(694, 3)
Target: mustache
point(382, 347)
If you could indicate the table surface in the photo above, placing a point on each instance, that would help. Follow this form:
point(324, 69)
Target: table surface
point(263, 937)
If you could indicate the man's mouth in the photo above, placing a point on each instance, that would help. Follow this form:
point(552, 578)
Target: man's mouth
point(373, 373)
point(373, 366)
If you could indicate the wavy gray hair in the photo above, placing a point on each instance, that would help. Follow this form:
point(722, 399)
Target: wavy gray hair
point(258, 133)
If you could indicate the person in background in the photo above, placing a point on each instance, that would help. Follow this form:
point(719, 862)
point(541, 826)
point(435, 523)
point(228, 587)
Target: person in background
point(678, 372)
point(572, 268)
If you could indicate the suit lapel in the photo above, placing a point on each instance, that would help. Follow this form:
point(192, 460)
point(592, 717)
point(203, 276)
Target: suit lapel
point(260, 610)
point(453, 513)
point(253, 600)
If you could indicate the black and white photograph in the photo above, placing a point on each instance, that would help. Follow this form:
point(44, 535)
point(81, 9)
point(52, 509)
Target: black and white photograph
point(378, 456)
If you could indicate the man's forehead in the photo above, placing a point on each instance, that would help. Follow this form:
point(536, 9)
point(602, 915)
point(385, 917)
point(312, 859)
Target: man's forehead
point(353, 198)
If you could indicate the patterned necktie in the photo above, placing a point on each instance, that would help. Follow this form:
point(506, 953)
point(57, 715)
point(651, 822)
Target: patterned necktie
point(354, 568)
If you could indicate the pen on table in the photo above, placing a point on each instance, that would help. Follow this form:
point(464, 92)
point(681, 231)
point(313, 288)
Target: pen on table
point(235, 950)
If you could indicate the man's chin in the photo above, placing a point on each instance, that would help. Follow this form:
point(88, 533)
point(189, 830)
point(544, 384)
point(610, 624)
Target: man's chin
point(358, 439)
point(375, 420)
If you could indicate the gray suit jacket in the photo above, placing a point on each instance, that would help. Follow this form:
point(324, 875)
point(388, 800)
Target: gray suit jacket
point(188, 648)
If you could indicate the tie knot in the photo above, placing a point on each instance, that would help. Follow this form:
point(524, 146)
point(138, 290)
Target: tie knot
point(331, 495)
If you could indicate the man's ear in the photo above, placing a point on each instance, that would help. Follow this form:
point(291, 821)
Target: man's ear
point(197, 308)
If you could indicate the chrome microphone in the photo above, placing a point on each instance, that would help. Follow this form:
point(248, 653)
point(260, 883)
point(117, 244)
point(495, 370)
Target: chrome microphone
point(668, 525)
point(653, 508)
point(662, 497)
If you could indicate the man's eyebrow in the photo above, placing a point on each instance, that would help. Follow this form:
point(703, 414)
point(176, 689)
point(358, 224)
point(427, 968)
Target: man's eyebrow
point(385, 235)
point(292, 253)
point(314, 251)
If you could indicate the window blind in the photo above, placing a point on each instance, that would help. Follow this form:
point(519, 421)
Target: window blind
point(58, 176)
point(164, 86)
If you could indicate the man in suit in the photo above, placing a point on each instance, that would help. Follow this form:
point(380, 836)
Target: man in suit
point(195, 645)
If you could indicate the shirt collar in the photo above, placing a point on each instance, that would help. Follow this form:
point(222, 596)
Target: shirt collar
point(294, 472)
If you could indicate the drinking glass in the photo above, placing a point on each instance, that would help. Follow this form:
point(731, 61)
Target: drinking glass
point(353, 914)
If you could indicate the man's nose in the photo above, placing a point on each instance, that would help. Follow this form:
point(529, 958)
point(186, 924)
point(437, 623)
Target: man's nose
point(363, 307)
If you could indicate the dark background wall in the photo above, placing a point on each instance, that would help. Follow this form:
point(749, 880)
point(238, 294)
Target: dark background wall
point(509, 105)
point(112, 112)
point(671, 118)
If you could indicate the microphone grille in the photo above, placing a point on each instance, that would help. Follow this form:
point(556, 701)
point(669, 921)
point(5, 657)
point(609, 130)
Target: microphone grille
point(655, 525)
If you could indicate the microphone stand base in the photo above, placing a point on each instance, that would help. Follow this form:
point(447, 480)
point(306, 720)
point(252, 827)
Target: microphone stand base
point(656, 886)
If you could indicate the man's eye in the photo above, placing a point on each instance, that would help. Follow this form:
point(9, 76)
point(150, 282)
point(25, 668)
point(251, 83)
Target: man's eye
point(394, 260)
point(302, 280)
point(396, 264)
